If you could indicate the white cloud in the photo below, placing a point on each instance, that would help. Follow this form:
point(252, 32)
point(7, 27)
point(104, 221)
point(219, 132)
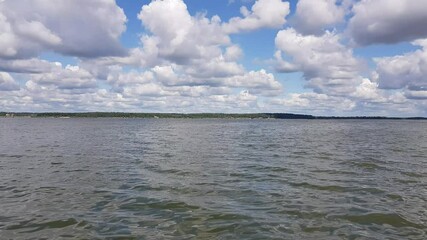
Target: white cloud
point(315, 103)
point(200, 91)
point(189, 63)
point(177, 52)
point(77, 28)
point(35, 31)
point(407, 71)
point(233, 53)
point(177, 36)
point(7, 38)
point(33, 65)
point(146, 90)
point(388, 21)
point(7, 83)
point(257, 82)
point(216, 67)
point(167, 75)
point(417, 95)
point(118, 80)
point(368, 91)
point(335, 76)
point(244, 101)
point(263, 14)
point(71, 78)
point(329, 66)
point(169, 21)
point(312, 17)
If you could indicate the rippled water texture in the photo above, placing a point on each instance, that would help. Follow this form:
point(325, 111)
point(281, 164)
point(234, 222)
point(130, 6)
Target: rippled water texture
point(213, 179)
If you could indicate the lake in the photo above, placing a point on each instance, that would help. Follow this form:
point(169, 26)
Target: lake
point(212, 179)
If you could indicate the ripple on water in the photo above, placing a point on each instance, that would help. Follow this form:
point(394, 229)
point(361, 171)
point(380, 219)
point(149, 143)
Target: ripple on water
point(329, 188)
point(391, 219)
point(140, 204)
point(369, 166)
point(212, 179)
point(30, 226)
point(415, 174)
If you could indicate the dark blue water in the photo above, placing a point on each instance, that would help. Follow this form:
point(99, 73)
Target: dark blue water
point(212, 179)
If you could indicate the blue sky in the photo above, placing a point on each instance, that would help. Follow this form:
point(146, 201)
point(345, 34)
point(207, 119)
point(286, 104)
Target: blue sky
point(325, 57)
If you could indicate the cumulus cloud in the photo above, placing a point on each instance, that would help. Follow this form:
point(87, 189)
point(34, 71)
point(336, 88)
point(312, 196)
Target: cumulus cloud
point(215, 68)
point(167, 76)
point(35, 31)
point(335, 76)
point(177, 68)
point(263, 14)
point(368, 91)
point(7, 38)
point(190, 63)
point(388, 21)
point(257, 82)
point(177, 51)
point(312, 17)
point(146, 90)
point(179, 54)
point(119, 80)
point(76, 28)
point(315, 103)
point(7, 83)
point(233, 53)
point(33, 65)
point(68, 78)
point(328, 65)
point(177, 36)
point(406, 71)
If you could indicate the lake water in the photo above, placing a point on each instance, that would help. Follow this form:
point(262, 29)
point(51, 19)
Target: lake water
point(212, 179)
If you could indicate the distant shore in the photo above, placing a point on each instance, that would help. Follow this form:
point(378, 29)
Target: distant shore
point(190, 115)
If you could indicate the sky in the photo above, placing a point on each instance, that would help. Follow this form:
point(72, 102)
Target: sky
point(322, 57)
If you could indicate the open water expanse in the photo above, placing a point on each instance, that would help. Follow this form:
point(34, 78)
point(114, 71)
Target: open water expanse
point(212, 179)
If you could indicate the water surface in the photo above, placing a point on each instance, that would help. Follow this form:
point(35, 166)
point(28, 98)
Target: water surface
point(212, 179)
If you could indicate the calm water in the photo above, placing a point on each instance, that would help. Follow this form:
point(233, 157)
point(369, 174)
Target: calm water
point(212, 179)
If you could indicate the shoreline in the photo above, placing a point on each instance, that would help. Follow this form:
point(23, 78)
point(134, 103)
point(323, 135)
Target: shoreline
point(253, 116)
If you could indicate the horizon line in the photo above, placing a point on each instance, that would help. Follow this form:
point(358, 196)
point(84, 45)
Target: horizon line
point(274, 115)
